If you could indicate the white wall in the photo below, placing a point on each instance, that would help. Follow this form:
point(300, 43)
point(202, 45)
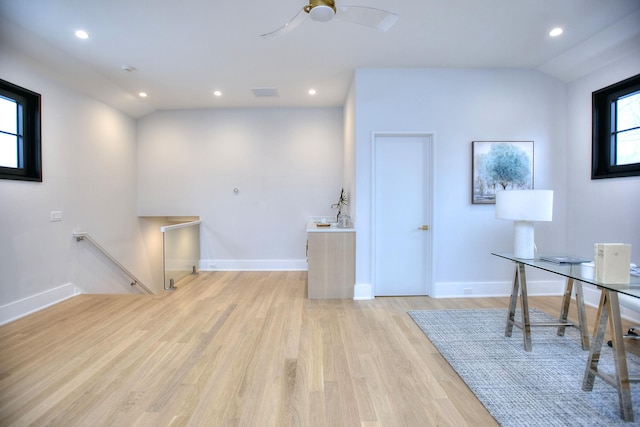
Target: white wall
point(602, 210)
point(350, 149)
point(458, 107)
point(89, 161)
point(287, 165)
point(102, 169)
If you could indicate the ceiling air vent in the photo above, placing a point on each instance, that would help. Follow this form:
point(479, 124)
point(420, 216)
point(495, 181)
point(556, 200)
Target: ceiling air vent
point(265, 92)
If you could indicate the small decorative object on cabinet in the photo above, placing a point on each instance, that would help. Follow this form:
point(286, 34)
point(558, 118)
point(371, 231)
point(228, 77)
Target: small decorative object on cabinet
point(343, 202)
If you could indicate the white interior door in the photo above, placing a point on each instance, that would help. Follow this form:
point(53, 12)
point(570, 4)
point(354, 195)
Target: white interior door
point(401, 214)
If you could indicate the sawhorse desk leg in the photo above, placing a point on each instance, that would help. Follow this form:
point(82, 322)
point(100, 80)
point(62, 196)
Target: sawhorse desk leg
point(610, 310)
point(520, 286)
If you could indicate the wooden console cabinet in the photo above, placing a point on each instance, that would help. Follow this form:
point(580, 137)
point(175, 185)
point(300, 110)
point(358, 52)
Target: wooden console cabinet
point(331, 256)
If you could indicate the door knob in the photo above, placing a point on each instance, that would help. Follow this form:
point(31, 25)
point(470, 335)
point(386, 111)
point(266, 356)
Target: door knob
point(424, 227)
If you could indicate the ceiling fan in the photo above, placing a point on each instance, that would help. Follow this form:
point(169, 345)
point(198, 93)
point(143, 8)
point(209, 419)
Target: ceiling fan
point(326, 10)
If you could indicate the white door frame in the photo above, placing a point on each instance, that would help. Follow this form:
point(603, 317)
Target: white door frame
point(430, 137)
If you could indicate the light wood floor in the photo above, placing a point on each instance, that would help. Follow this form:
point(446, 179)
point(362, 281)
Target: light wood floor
point(234, 349)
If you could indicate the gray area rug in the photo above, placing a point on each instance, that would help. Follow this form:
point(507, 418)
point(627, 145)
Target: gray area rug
point(538, 388)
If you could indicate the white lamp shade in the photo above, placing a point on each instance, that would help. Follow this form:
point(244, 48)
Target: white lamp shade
point(524, 205)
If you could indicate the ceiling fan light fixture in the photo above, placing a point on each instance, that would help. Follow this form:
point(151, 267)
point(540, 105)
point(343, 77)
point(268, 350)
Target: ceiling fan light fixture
point(322, 13)
point(326, 10)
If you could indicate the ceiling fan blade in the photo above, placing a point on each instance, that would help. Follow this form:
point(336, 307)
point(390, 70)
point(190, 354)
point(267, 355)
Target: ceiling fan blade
point(293, 23)
point(368, 16)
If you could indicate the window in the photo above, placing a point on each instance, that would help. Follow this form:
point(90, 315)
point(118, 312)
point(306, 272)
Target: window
point(19, 133)
point(616, 130)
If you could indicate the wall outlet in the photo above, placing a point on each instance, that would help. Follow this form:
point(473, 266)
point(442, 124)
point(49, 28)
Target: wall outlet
point(467, 291)
point(55, 216)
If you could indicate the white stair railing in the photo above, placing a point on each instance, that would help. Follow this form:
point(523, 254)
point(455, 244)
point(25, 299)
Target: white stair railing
point(81, 235)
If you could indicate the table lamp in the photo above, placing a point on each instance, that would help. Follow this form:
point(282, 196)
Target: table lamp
point(524, 207)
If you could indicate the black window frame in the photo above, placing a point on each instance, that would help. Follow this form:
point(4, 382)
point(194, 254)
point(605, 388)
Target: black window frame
point(30, 165)
point(604, 116)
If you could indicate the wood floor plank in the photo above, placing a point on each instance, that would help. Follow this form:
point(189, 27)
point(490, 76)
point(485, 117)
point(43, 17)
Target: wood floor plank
point(235, 349)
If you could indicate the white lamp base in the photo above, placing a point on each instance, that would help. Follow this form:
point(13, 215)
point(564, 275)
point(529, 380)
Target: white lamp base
point(523, 243)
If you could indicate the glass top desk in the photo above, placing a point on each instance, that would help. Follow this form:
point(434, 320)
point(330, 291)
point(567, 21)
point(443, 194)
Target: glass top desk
point(608, 311)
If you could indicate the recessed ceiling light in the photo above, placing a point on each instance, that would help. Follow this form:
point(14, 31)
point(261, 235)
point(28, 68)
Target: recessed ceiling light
point(142, 94)
point(555, 32)
point(217, 93)
point(81, 34)
point(312, 92)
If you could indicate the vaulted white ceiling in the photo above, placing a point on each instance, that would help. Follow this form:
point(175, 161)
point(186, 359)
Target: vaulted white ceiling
point(181, 51)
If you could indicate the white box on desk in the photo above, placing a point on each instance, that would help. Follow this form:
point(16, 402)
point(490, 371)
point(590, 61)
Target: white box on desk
point(612, 262)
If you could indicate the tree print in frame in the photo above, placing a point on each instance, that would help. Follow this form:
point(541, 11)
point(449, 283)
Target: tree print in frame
point(500, 165)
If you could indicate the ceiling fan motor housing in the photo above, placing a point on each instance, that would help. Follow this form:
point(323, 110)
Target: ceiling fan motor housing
point(321, 10)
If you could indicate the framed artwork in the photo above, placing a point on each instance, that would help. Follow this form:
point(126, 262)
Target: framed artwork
point(500, 165)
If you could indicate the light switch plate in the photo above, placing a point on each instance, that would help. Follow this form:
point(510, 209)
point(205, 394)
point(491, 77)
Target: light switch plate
point(55, 216)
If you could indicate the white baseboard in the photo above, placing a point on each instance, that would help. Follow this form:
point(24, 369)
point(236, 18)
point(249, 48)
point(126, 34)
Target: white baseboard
point(494, 289)
point(253, 265)
point(362, 291)
point(631, 313)
point(17, 309)
point(535, 288)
